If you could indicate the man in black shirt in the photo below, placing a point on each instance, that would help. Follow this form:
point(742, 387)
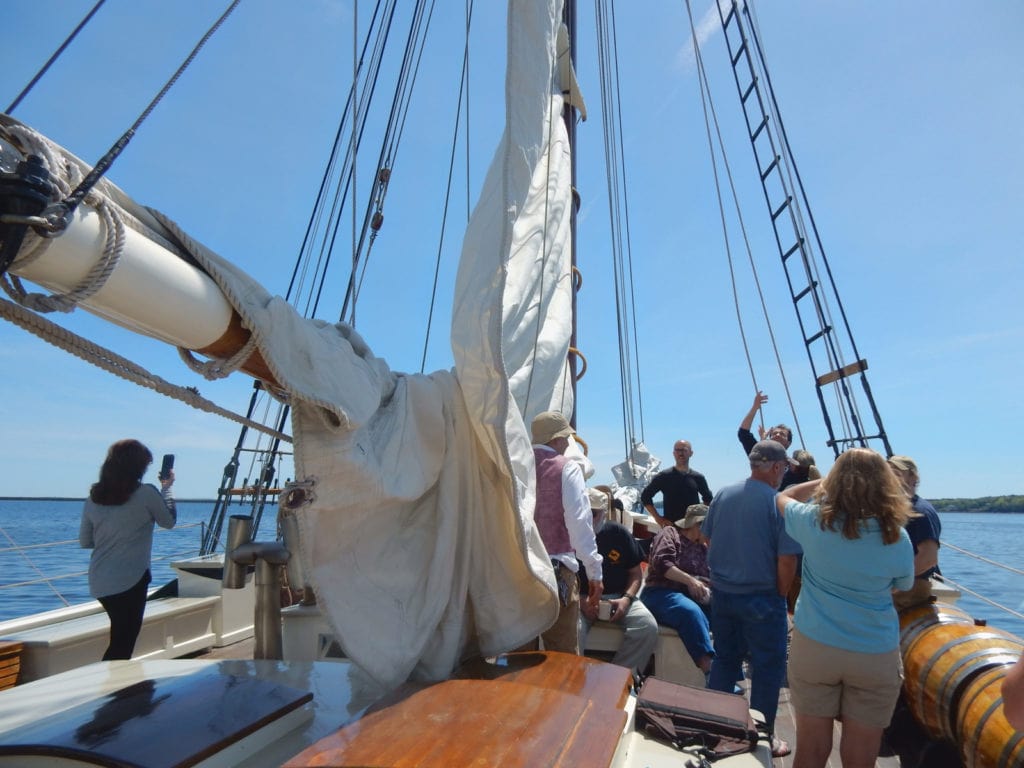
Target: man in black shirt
point(622, 577)
point(780, 433)
point(679, 487)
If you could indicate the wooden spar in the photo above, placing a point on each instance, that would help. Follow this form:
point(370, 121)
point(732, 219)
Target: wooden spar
point(152, 291)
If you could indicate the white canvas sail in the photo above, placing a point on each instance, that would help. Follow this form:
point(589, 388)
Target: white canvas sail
point(418, 536)
point(420, 539)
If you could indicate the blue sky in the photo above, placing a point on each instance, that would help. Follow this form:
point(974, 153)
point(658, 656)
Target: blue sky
point(904, 122)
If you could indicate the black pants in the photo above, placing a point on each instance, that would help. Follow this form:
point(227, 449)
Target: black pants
point(125, 610)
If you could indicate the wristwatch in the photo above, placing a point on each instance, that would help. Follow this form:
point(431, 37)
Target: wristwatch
point(631, 598)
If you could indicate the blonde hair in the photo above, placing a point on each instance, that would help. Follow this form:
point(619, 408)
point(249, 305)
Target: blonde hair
point(861, 486)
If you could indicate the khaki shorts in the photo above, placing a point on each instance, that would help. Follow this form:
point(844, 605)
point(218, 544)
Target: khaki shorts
point(825, 681)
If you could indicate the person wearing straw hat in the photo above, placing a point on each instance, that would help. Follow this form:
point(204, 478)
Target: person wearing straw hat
point(676, 590)
point(924, 531)
point(564, 521)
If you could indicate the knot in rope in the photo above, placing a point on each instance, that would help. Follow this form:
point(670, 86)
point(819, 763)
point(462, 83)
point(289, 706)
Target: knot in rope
point(63, 175)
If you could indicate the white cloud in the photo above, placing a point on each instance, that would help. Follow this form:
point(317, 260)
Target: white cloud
point(707, 26)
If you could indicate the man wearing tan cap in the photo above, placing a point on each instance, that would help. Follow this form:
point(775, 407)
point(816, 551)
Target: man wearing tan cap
point(564, 520)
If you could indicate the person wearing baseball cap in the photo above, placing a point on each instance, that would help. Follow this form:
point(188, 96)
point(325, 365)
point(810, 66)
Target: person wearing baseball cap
point(752, 562)
point(564, 520)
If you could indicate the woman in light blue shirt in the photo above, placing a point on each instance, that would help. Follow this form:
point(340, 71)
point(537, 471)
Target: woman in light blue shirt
point(845, 654)
point(117, 524)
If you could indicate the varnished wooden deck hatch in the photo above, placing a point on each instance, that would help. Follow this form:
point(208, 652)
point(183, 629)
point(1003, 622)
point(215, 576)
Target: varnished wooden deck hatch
point(529, 710)
point(10, 663)
point(171, 722)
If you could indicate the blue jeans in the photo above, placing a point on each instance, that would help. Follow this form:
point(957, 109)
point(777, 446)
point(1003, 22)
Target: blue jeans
point(676, 610)
point(752, 624)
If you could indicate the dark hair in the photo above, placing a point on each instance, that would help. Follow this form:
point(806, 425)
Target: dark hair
point(784, 428)
point(121, 473)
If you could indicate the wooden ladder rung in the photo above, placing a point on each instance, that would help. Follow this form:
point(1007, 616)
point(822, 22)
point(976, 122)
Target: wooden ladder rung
point(842, 373)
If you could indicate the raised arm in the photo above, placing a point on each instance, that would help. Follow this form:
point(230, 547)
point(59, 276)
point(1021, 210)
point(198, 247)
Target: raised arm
point(798, 492)
point(759, 399)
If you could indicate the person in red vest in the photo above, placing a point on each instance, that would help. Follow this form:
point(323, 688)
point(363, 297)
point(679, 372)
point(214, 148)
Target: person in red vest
point(565, 523)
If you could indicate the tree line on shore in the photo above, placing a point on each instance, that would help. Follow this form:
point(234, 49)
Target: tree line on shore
point(1010, 504)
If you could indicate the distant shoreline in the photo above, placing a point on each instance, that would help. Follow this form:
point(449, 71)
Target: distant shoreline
point(82, 498)
point(983, 505)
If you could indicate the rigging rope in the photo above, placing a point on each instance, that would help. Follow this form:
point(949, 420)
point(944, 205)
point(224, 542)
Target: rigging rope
point(56, 55)
point(389, 149)
point(618, 206)
point(32, 565)
point(100, 169)
point(984, 599)
point(707, 103)
point(1005, 567)
point(463, 92)
point(120, 366)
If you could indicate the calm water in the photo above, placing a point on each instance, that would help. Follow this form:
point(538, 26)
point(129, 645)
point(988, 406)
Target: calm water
point(65, 564)
point(996, 537)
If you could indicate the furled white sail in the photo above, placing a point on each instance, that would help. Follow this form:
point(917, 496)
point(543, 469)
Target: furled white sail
point(420, 539)
point(418, 535)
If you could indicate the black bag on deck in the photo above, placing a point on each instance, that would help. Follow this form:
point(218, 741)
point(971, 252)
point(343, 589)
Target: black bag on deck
point(685, 716)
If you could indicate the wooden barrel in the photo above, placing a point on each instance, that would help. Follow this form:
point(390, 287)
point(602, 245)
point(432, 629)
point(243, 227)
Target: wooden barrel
point(939, 664)
point(985, 738)
point(915, 620)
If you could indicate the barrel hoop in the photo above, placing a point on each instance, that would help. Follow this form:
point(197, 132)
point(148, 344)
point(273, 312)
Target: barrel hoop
point(974, 739)
point(959, 683)
point(1011, 746)
point(999, 656)
point(910, 632)
point(936, 655)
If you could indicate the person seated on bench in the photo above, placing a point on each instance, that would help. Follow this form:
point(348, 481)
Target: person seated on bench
point(623, 577)
point(676, 589)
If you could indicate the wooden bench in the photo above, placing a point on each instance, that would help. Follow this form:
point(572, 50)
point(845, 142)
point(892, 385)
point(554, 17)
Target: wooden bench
point(671, 660)
point(172, 627)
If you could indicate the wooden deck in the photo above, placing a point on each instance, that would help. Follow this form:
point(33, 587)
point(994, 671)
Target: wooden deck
point(785, 726)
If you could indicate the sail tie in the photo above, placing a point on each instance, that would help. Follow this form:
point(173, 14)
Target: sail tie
point(63, 175)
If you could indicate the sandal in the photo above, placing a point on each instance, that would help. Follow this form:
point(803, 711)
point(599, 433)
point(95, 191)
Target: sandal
point(780, 748)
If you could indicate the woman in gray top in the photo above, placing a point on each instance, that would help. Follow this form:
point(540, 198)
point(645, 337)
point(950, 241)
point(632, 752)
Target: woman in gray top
point(117, 524)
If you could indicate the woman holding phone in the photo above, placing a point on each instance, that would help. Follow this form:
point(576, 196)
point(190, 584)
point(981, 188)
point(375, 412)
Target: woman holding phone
point(117, 524)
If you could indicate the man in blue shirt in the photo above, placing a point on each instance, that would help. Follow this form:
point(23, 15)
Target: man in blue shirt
point(752, 562)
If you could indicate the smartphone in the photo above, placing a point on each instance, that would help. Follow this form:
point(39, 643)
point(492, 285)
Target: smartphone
point(166, 466)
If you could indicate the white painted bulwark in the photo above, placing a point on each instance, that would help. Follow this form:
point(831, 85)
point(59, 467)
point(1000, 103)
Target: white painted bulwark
point(233, 616)
point(172, 627)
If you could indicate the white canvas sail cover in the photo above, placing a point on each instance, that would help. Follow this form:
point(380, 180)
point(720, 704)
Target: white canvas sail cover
point(420, 539)
point(418, 536)
point(421, 542)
